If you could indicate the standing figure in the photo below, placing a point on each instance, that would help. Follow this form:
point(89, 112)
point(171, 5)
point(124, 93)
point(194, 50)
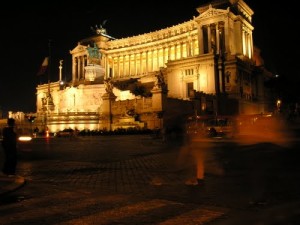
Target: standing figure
point(9, 144)
point(108, 85)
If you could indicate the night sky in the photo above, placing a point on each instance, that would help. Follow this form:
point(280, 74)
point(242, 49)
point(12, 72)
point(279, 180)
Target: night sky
point(27, 31)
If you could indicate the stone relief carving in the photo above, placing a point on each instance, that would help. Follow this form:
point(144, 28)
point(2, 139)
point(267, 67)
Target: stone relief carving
point(212, 12)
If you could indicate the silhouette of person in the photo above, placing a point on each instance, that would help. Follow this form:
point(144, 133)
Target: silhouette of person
point(9, 144)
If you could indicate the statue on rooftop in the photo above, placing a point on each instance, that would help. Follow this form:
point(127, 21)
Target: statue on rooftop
point(100, 29)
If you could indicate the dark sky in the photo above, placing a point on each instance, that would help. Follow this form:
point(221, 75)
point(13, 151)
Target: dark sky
point(27, 29)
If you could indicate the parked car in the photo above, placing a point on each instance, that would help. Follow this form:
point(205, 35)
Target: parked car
point(65, 133)
point(212, 126)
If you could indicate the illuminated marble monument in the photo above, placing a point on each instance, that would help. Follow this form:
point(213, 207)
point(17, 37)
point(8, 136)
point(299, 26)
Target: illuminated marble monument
point(206, 65)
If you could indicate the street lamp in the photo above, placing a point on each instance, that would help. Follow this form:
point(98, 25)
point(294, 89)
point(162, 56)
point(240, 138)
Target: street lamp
point(278, 104)
point(61, 85)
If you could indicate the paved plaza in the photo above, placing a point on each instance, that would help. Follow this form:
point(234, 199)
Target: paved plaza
point(141, 180)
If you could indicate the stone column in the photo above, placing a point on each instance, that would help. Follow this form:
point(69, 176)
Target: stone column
point(83, 66)
point(164, 56)
point(141, 62)
point(218, 44)
point(157, 59)
point(147, 61)
point(78, 67)
point(129, 64)
point(60, 70)
point(74, 66)
point(209, 38)
point(152, 60)
point(192, 46)
point(112, 67)
point(123, 72)
point(118, 69)
point(251, 45)
point(106, 66)
point(226, 38)
point(181, 50)
point(200, 40)
point(135, 64)
point(244, 42)
point(188, 47)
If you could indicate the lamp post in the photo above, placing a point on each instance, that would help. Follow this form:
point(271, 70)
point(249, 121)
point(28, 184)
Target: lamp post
point(278, 105)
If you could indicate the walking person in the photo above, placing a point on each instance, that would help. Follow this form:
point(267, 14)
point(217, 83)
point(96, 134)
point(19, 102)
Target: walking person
point(9, 144)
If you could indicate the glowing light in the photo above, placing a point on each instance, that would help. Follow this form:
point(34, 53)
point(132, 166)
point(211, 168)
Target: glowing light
point(47, 133)
point(25, 138)
point(278, 103)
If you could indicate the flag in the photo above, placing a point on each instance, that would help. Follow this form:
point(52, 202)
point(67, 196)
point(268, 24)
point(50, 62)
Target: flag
point(44, 67)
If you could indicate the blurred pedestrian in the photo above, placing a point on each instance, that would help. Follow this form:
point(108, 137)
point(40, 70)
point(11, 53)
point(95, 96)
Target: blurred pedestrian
point(9, 144)
point(195, 155)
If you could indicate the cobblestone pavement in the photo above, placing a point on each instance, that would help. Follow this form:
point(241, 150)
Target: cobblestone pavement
point(151, 189)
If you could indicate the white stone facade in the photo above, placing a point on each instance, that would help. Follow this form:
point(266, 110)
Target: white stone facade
point(212, 53)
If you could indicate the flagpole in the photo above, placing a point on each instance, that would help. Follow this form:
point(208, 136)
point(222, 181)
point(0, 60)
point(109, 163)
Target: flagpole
point(44, 68)
point(49, 70)
point(48, 95)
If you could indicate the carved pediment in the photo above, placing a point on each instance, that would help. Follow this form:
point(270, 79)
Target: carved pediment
point(211, 12)
point(78, 48)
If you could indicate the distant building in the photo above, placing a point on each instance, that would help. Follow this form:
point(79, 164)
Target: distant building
point(207, 65)
point(22, 126)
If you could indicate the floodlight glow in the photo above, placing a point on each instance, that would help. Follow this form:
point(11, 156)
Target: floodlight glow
point(25, 138)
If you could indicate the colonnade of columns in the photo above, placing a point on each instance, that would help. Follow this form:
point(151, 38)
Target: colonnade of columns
point(145, 61)
point(247, 42)
point(212, 38)
point(139, 62)
point(78, 64)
